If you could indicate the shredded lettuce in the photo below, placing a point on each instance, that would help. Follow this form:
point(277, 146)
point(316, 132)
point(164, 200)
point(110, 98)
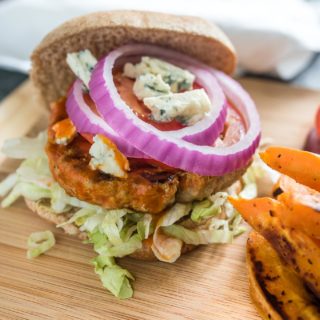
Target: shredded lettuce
point(112, 225)
point(197, 237)
point(117, 233)
point(91, 223)
point(259, 178)
point(214, 221)
point(250, 190)
point(113, 277)
point(99, 241)
point(27, 190)
point(145, 227)
point(116, 280)
point(40, 242)
point(78, 218)
point(219, 231)
point(8, 183)
point(59, 199)
point(33, 176)
point(74, 202)
point(127, 231)
point(174, 214)
point(102, 261)
point(112, 234)
point(123, 249)
point(23, 148)
point(33, 181)
point(165, 248)
point(208, 208)
point(237, 226)
point(35, 170)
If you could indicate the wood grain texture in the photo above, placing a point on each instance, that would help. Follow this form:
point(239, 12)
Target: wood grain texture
point(209, 283)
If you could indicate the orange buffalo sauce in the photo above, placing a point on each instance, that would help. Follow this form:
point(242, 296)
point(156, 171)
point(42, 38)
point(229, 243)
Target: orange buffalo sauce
point(64, 131)
point(120, 159)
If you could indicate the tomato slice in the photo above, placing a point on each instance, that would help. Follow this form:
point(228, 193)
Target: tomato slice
point(234, 127)
point(125, 88)
point(88, 137)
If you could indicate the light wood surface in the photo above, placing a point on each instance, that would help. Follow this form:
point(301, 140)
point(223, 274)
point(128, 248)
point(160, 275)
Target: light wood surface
point(209, 283)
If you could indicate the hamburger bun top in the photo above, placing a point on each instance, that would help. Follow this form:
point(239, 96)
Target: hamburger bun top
point(104, 31)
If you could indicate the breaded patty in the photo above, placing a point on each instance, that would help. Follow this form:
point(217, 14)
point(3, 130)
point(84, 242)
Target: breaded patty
point(148, 187)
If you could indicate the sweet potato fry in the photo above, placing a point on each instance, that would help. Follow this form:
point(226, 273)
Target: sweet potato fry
point(296, 248)
point(277, 292)
point(302, 166)
point(303, 204)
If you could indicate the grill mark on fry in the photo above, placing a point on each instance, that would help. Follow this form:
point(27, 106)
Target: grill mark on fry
point(261, 279)
point(281, 244)
point(277, 192)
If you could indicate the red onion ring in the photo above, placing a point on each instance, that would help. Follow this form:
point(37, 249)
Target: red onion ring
point(205, 131)
point(86, 121)
point(203, 160)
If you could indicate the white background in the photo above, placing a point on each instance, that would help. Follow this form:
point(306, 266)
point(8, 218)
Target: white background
point(277, 37)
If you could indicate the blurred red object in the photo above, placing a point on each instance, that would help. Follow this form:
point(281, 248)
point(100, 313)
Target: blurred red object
point(313, 139)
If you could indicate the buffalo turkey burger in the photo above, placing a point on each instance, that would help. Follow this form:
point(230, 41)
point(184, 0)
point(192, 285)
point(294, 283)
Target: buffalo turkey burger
point(147, 137)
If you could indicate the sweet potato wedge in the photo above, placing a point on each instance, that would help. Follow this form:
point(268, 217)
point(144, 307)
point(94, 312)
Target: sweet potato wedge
point(303, 204)
point(296, 248)
point(302, 166)
point(276, 291)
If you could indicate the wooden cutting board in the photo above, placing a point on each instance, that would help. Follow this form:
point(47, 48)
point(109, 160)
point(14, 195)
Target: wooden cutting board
point(209, 283)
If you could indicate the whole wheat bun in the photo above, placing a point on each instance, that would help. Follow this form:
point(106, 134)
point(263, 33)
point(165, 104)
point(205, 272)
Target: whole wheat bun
point(44, 211)
point(104, 31)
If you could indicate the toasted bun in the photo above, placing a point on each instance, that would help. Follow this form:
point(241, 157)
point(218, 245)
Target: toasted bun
point(105, 31)
point(45, 212)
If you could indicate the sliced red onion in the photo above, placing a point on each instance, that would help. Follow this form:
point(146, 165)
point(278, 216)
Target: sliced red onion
point(86, 121)
point(205, 131)
point(161, 145)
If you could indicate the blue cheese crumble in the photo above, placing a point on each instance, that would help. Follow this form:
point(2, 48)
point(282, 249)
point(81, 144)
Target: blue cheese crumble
point(178, 79)
point(187, 107)
point(107, 158)
point(82, 64)
point(149, 85)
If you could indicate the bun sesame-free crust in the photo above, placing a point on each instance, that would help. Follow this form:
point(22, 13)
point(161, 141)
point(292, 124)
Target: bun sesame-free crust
point(104, 31)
